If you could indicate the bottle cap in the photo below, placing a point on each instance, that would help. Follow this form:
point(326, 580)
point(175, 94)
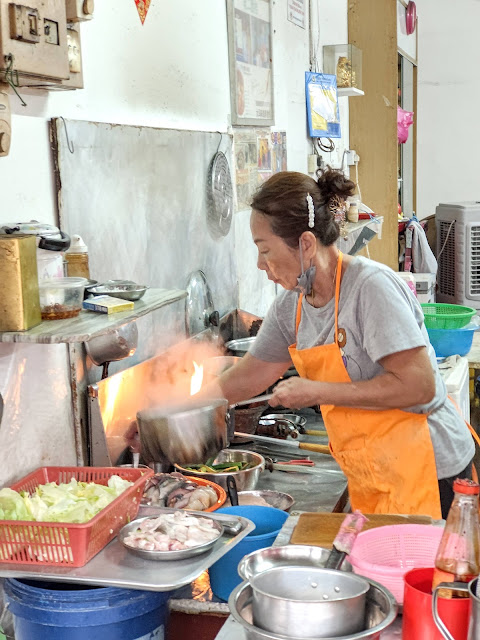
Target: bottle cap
point(462, 485)
point(77, 245)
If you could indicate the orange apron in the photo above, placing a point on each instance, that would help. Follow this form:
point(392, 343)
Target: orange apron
point(387, 456)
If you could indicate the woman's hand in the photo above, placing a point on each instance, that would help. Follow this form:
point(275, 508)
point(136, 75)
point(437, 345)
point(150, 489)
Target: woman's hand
point(296, 393)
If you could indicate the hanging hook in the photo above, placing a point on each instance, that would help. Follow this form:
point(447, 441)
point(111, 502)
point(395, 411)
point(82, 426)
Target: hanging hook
point(11, 77)
point(70, 146)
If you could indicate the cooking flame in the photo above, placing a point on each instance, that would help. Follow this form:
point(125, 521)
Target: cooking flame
point(197, 379)
point(113, 389)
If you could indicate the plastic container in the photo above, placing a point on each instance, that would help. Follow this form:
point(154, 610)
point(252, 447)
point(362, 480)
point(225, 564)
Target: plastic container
point(65, 544)
point(449, 342)
point(418, 622)
point(76, 258)
point(385, 554)
point(57, 611)
point(61, 298)
point(268, 522)
point(446, 316)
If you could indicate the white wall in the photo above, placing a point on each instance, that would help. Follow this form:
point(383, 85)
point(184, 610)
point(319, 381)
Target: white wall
point(170, 72)
point(448, 103)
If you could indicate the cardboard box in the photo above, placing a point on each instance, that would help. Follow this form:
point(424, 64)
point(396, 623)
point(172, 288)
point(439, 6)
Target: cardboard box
point(19, 299)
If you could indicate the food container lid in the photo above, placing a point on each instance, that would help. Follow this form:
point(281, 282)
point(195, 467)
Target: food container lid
point(63, 283)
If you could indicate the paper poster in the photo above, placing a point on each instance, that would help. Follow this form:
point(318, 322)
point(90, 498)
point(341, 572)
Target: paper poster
point(296, 12)
point(251, 61)
point(142, 8)
point(258, 154)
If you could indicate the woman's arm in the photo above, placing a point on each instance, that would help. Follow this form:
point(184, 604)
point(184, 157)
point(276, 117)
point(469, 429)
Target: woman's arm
point(408, 380)
point(249, 377)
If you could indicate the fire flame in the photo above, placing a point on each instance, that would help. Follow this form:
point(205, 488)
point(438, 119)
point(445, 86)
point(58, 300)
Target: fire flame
point(197, 379)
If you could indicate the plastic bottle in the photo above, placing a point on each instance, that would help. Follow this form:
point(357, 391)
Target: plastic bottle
point(77, 258)
point(458, 556)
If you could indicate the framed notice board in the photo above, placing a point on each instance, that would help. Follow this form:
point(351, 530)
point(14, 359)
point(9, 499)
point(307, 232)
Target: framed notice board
point(250, 53)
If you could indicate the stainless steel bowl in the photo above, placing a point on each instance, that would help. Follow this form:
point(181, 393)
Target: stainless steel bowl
point(288, 555)
point(381, 611)
point(246, 480)
point(277, 499)
point(241, 346)
point(186, 435)
point(319, 602)
point(179, 554)
point(131, 292)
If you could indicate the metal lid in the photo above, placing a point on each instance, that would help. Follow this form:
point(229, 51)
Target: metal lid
point(220, 196)
point(200, 313)
point(49, 237)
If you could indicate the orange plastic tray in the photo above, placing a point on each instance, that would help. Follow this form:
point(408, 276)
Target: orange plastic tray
point(73, 545)
point(220, 491)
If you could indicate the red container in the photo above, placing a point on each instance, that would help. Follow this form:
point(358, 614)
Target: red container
point(418, 622)
point(71, 545)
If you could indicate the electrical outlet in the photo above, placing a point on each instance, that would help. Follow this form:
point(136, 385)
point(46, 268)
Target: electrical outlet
point(5, 122)
point(79, 10)
point(351, 155)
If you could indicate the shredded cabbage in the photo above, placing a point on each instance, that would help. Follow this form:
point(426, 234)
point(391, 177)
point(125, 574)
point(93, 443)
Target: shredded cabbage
point(75, 502)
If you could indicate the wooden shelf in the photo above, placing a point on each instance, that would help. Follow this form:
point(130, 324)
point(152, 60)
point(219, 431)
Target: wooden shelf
point(90, 324)
point(349, 92)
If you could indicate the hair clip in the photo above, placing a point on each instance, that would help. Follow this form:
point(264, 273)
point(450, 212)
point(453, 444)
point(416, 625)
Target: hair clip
point(311, 211)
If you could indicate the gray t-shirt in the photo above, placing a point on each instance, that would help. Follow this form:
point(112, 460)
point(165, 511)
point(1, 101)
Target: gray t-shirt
point(380, 316)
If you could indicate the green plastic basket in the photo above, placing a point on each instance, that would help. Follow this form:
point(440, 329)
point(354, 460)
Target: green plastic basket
point(447, 316)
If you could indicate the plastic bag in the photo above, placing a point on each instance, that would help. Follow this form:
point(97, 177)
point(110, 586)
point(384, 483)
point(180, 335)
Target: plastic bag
point(404, 121)
point(322, 105)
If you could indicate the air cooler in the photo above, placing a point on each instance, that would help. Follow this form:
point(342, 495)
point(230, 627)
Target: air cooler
point(458, 253)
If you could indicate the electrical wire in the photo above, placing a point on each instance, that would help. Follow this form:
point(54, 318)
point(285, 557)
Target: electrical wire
point(445, 241)
point(321, 146)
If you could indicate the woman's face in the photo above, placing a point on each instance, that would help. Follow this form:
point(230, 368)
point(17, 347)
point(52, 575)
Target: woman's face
point(275, 257)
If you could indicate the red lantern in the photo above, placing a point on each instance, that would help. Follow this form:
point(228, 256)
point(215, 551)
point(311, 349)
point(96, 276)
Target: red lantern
point(411, 17)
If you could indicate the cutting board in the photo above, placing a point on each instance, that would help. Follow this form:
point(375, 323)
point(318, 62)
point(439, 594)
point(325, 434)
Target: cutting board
point(320, 529)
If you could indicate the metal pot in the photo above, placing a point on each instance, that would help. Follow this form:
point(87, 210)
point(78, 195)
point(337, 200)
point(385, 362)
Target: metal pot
point(381, 611)
point(315, 602)
point(183, 434)
point(246, 480)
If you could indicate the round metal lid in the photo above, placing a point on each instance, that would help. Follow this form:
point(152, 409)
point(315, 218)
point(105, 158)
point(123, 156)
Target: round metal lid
point(220, 196)
point(199, 309)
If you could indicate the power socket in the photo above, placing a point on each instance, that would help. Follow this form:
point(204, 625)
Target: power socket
point(351, 155)
point(5, 122)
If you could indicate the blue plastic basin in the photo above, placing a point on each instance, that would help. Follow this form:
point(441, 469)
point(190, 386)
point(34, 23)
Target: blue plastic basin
point(268, 522)
point(449, 342)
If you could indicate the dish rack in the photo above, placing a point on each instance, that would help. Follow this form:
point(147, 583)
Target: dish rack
point(66, 544)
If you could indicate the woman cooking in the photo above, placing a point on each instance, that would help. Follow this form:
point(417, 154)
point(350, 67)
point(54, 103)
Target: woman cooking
point(356, 336)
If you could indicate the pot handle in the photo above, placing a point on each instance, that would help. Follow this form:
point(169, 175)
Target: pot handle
point(458, 586)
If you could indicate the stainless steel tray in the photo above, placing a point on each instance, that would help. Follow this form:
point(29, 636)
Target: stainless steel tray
point(115, 566)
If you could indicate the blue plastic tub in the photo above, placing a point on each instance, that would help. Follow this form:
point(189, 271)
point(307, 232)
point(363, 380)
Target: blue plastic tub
point(450, 342)
point(268, 522)
point(58, 611)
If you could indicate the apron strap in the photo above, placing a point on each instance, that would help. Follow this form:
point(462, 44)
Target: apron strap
point(299, 313)
point(337, 291)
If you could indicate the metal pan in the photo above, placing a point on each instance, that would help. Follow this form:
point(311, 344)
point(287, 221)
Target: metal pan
point(179, 554)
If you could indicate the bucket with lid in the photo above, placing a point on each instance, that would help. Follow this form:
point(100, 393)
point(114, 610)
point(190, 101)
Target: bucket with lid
point(59, 611)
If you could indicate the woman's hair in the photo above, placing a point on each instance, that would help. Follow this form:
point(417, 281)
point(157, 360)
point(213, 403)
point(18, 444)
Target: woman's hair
point(283, 199)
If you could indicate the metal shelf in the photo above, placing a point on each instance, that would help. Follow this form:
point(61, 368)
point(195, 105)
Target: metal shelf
point(90, 324)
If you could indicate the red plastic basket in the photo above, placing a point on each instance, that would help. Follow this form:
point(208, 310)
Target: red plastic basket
point(72, 545)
